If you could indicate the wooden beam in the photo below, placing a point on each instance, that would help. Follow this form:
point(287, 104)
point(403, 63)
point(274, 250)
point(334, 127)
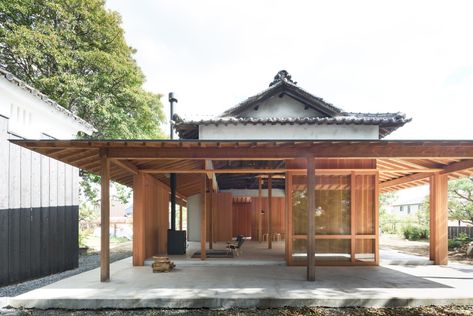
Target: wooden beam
point(203, 218)
point(406, 179)
point(361, 149)
point(458, 166)
point(270, 212)
point(105, 220)
point(126, 165)
point(259, 211)
point(310, 219)
point(439, 219)
point(282, 171)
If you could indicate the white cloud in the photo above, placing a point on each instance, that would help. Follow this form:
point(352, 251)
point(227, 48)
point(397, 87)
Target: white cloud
point(410, 56)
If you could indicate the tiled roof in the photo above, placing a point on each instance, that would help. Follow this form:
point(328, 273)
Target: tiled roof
point(53, 104)
point(283, 84)
point(345, 118)
point(387, 122)
point(286, 86)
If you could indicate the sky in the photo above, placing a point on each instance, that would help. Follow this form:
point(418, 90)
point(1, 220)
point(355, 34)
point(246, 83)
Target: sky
point(414, 57)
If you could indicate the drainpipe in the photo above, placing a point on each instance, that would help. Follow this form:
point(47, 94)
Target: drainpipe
point(172, 176)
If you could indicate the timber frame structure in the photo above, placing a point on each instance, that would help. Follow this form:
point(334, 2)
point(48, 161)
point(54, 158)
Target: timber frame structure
point(380, 165)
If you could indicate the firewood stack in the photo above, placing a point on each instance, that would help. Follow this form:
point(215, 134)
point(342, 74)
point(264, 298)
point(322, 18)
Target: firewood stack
point(162, 264)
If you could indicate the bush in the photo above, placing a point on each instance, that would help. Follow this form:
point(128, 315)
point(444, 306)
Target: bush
point(412, 232)
point(453, 243)
point(459, 241)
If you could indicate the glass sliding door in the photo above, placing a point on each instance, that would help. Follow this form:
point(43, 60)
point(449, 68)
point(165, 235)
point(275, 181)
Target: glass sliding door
point(332, 218)
point(345, 219)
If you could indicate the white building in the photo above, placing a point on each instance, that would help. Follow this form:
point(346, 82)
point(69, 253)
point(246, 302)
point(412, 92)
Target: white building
point(39, 196)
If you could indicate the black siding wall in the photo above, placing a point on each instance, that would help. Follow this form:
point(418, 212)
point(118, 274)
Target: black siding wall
point(36, 242)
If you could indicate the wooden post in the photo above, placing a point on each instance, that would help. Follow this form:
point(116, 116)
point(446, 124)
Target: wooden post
point(180, 216)
point(203, 219)
point(376, 219)
point(259, 210)
point(105, 220)
point(439, 219)
point(310, 219)
point(211, 210)
point(352, 216)
point(288, 231)
point(270, 211)
point(138, 220)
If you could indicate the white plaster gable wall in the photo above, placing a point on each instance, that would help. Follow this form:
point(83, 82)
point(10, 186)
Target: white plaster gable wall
point(281, 107)
point(30, 117)
point(312, 132)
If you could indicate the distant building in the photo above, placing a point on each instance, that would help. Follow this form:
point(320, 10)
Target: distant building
point(39, 196)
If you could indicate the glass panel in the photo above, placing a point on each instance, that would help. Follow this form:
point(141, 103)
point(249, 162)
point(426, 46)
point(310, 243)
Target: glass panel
point(333, 249)
point(364, 250)
point(299, 250)
point(332, 200)
point(325, 249)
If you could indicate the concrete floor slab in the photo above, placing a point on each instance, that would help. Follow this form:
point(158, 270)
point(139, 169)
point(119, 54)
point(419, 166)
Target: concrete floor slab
point(218, 286)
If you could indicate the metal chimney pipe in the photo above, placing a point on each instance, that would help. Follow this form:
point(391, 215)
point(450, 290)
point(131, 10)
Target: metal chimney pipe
point(172, 176)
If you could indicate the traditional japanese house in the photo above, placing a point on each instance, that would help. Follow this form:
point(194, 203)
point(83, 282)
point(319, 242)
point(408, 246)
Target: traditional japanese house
point(283, 164)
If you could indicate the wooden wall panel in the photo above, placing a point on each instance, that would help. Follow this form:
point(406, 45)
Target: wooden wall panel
point(364, 204)
point(242, 219)
point(245, 217)
point(222, 216)
point(150, 218)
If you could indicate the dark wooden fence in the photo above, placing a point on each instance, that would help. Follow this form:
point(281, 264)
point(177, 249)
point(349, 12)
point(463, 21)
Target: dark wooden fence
point(454, 231)
point(36, 242)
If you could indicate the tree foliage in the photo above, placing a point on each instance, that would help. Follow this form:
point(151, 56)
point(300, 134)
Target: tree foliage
point(75, 52)
point(460, 200)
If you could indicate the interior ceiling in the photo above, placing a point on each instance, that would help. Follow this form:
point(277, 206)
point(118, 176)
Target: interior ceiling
point(246, 181)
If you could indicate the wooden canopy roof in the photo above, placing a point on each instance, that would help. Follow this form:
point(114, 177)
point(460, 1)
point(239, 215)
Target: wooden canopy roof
point(401, 163)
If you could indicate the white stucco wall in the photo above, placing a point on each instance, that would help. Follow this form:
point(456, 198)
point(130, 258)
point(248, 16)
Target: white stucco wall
point(254, 193)
point(281, 107)
point(30, 117)
point(312, 132)
point(193, 217)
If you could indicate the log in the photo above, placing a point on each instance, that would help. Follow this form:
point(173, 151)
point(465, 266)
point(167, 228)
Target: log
point(162, 264)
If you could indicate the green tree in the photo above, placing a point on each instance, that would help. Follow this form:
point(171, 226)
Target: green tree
point(460, 200)
point(75, 52)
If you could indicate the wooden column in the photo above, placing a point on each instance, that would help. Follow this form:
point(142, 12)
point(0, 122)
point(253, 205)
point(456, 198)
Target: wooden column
point(203, 219)
point(180, 216)
point(376, 219)
point(310, 219)
point(439, 219)
point(105, 220)
point(259, 211)
point(288, 232)
point(270, 211)
point(352, 216)
point(211, 213)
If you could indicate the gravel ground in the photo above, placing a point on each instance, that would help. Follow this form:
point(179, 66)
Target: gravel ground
point(418, 247)
point(450, 310)
point(86, 262)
